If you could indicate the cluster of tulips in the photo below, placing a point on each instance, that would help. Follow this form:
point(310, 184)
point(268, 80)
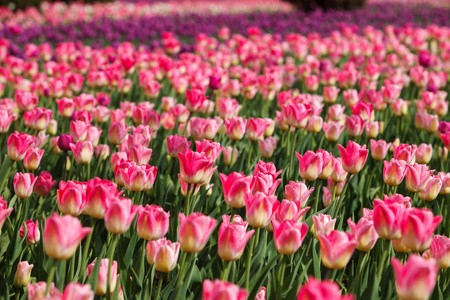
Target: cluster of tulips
point(238, 171)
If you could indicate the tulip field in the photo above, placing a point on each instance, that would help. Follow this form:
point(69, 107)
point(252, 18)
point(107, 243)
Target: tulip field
point(225, 151)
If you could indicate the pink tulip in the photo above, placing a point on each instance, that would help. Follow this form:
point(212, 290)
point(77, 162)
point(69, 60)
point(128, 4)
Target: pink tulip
point(5, 121)
point(228, 108)
point(267, 146)
point(353, 157)
point(264, 183)
point(228, 155)
point(232, 238)
point(440, 251)
point(424, 153)
point(37, 118)
point(79, 130)
point(118, 132)
point(261, 294)
point(310, 165)
point(23, 274)
point(432, 189)
point(288, 235)
point(330, 93)
point(395, 198)
point(215, 290)
point(66, 107)
point(418, 226)
point(36, 291)
point(405, 152)
point(445, 178)
point(62, 236)
point(260, 208)
point(297, 191)
point(138, 178)
point(176, 144)
point(332, 131)
point(363, 110)
point(365, 233)
point(139, 154)
point(256, 128)
point(43, 184)
point(33, 158)
point(18, 144)
point(75, 290)
point(235, 128)
point(210, 148)
point(195, 168)
point(163, 254)
point(235, 187)
point(354, 125)
point(82, 152)
point(152, 223)
point(102, 280)
point(323, 224)
point(4, 211)
point(71, 197)
point(120, 214)
point(25, 100)
point(394, 172)
point(33, 235)
point(417, 177)
point(194, 100)
point(416, 279)
point(321, 290)
point(379, 149)
point(387, 220)
point(296, 114)
point(336, 112)
point(23, 184)
point(336, 249)
point(266, 168)
point(338, 174)
point(289, 210)
point(194, 231)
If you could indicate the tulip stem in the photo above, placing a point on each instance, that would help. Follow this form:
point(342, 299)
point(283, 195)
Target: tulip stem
point(86, 249)
point(341, 198)
point(280, 276)
point(110, 257)
point(386, 251)
point(226, 268)
point(249, 261)
point(182, 270)
point(160, 281)
point(233, 213)
point(51, 274)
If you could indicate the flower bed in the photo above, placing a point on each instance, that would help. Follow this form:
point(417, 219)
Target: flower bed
point(267, 166)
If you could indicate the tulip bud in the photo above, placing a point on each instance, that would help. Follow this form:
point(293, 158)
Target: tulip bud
point(23, 273)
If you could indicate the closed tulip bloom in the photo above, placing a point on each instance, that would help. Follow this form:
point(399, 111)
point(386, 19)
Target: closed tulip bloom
point(152, 223)
point(138, 178)
point(210, 148)
point(415, 280)
point(289, 210)
point(228, 108)
point(82, 152)
point(405, 152)
point(62, 236)
point(440, 251)
point(194, 100)
point(432, 189)
point(418, 226)
point(25, 100)
point(337, 249)
point(445, 177)
point(332, 130)
point(297, 191)
point(321, 290)
point(338, 174)
point(365, 233)
point(23, 274)
point(33, 158)
point(33, 233)
point(424, 153)
point(37, 118)
point(64, 141)
point(336, 112)
point(328, 196)
point(394, 172)
point(18, 144)
point(44, 184)
point(379, 149)
point(260, 209)
point(78, 130)
point(232, 238)
point(66, 107)
point(75, 290)
point(176, 144)
point(267, 169)
point(267, 146)
point(23, 184)
point(353, 157)
point(139, 154)
point(163, 254)
point(330, 93)
point(93, 135)
point(229, 157)
point(71, 197)
point(118, 132)
point(288, 235)
point(4, 211)
point(5, 121)
point(194, 231)
point(102, 280)
point(315, 124)
point(310, 165)
point(215, 290)
point(327, 164)
point(387, 220)
point(36, 291)
point(99, 194)
point(323, 224)
point(194, 166)
point(235, 186)
point(417, 177)
point(354, 125)
point(296, 114)
point(395, 198)
point(256, 128)
point(120, 214)
point(400, 107)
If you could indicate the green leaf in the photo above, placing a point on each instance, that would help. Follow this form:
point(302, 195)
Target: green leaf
point(257, 280)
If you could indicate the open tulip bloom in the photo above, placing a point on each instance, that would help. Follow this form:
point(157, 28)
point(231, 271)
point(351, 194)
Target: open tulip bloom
point(214, 160)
